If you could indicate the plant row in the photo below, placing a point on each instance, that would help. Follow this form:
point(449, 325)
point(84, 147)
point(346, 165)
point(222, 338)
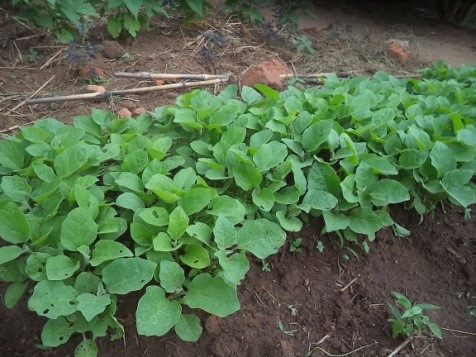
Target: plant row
point(174, 202)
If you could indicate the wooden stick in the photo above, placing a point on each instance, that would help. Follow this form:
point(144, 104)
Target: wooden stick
point(458, 331)
point(148, 75)
point(102, 95)
point(51, 59)
point(338, 74)
point(400, 347)
point(32, 95)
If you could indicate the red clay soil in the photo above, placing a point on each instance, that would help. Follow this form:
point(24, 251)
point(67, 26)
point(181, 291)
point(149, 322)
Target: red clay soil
point(318, 297)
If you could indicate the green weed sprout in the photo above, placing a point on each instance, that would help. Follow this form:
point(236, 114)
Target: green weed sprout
point(408, 318)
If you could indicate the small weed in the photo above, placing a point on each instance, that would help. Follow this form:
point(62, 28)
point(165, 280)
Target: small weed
point(320, 246)
point(265, 266)
point(127, 56)
point(293, 310)
point(303, 45)
point(32, 55)
point(285, 330)
point(408, 318)
point(295, 245)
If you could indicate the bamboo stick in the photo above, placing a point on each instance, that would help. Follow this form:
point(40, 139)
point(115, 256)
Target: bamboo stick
point(102, 95)
point(149, 75)
point(338, 74)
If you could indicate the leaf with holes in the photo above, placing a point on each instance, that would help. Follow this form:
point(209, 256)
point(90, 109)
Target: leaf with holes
point(124, 275)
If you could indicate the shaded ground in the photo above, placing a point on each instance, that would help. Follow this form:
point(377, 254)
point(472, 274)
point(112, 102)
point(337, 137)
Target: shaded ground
point(305, 292)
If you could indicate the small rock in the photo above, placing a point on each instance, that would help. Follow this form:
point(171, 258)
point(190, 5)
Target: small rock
point(112, 50)
point(267, 72)
point(398, 51)
point(159, 82)
point(95, 88)
point(287, 349)
point(139, 111)
point(90, 71)
point(212, 325)
point(124, 113)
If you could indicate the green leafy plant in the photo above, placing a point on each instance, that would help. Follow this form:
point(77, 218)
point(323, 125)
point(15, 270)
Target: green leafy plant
point(32, 55)
point(408, 318)
point(295, 245)
point(303, 45)
point(173, 203)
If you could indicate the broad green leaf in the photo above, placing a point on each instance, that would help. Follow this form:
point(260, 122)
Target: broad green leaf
point(163, 187)
point(263, 198)
point(56, 332)
point(250, 95)
point(135, 161)
point(155, 216)
point(323, 177)
point(201, 147)
point(77, 229)
point(412, 159)
point(86, 200)
point(224, 115)
point(71, 160)
point(315, 135)
point(44, 172)
point(386, 191)
point(9, 253)
point(92, 305)
point(364, 221)
point(463, 196)
point(195, 5)
point(86, 348)
point(228, 207)
point(11, 155)
point(195, 200)
point(290, 224)
point(260, 138)
point(212, 295)
point(141, 234)
point(195, 256)
point(53, 299)
point(442, 158)
point(60, 267)
point(87, 282)
point(158, 147)
point(130, 181)
point(185, 178)
point(270, 155)
point(234, 267)
point(335, 221)
point(457, 178)
point(178, 223)
point(171, 276)
point(13, 225)
point(124, 275)
point(246, 175)
point(35, 266)
point(188, 328)
point(16, 188)
point(225, 233)
point(261, 237)
point(130, 201)
point(200, 231)
point(105, 250)
point(155, 315)
point(320, 200)
point(163, 243)
point(13, 293)
point(380, 165)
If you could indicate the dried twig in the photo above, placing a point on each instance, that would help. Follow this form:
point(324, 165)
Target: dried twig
point(458, 331)
point(102, 95)
point(148, 75)
point(400, 347)
point(32, 95)
point(342, 355)
point(348, 285)
point(47, 63)
point(317, 75)
point(14, 127)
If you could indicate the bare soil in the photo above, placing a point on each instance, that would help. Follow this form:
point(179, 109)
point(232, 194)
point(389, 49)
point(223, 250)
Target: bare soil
point(308, 303)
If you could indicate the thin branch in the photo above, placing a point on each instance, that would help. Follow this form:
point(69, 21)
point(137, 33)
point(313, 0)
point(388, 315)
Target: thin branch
point(342, 355)
point(102, 95)
point(400, 347)
point(317, 75)
point(148, 75)
point(458, 331)
point(348, 285)
point(32, 95)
